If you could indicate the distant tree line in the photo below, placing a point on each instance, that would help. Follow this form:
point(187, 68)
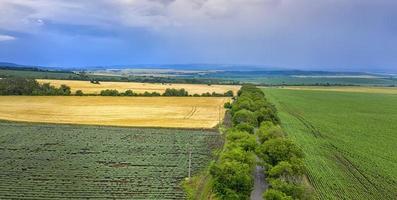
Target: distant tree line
point(233, 173)
point(24, 86)
point(168, 93)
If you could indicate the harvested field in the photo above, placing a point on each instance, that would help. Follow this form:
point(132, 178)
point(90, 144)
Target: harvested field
point(178, 112)
point(90, 88)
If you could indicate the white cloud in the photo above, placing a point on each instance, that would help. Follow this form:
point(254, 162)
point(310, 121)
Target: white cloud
point(28, 15)
point(6, 38)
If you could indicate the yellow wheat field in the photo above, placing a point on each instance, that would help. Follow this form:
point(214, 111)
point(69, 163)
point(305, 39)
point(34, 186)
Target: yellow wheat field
point(90, 88)
point(178, 112)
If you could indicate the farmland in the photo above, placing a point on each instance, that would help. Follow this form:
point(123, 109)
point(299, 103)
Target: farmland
point(349, 139)
point(380, 90)
point(39, 161)
point(177, 112)
point(90, 88)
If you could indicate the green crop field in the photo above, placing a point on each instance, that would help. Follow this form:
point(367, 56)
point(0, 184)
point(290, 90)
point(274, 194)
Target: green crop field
point(349, 139)
point(39, 161)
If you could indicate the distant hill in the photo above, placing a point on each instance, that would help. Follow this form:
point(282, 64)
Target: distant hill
point(13, 66)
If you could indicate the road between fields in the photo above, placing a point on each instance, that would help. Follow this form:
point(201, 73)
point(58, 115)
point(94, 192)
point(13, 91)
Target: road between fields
point(260, 184)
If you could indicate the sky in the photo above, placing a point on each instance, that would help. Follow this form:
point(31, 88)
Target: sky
point(344, 35)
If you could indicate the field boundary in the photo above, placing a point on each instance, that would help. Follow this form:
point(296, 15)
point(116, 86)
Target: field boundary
point(215, 130)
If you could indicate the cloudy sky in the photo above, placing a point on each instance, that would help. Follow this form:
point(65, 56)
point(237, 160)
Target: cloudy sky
point(301, 34)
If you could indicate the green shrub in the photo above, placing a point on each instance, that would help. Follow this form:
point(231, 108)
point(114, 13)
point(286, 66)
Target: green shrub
point(238, 154)
point(228, 93)
point(129, 93)
point(109, 92)
point(272, 194)
point(241, 139)
point(227, 105)
point(295, 191)
point(266, 114)
point(175, 92)
point(269, 131)
point(79, 93)
point(232, 179)
point(244, 116)
point(245, 127)
point(276, 150)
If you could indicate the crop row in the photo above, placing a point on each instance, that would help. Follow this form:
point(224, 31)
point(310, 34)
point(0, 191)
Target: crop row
point(53, 162)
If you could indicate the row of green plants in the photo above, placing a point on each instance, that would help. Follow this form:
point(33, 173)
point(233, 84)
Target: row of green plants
point(256, 131)
point(23, 86)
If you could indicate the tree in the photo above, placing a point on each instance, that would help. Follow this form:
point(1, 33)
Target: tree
point(79, 93)
point(64, 90)
point(279, 149)
point(129, 93)
point(272, 194)
point(109, 92)
point(18, 86)
point(236, 152)
point(227, 105)
point(267, 114)
point(229, 93)
point(175, 92)
point(244, 116)
point(245, 127)
point(296, 191)
point(232, 179)
point(267, 130)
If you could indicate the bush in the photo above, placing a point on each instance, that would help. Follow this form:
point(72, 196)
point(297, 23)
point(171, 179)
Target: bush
point(22, 86)
point(238, 139)
point(244, 116)
point(237, 153)
point(17, 86)
point(228, 93)
point(232, 179)
point(267, 114)
point(129, 93)
point(245, 127)
point(288, 170)
point(64, 90)
point(109, 93)
point(276, 150)
point(175, 92)
point(290, 189)
point(79, 93)
point(227, 105)
point(272, 194)
point(269, 131)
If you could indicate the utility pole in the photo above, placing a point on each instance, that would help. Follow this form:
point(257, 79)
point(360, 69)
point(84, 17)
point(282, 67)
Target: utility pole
point(190, 161)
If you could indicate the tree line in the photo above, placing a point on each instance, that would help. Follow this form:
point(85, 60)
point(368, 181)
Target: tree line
point(233, 173)
point(24, 86)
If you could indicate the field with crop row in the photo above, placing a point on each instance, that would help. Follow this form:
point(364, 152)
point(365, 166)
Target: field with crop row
point(78, 162)
point(178, 112)
point(90, 88)
point(379, 90)
point(349, 140)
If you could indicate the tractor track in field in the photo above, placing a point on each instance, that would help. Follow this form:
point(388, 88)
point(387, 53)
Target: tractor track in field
point(313, 130)
point(358, 174)
point(344, 162)
point(191, 113)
